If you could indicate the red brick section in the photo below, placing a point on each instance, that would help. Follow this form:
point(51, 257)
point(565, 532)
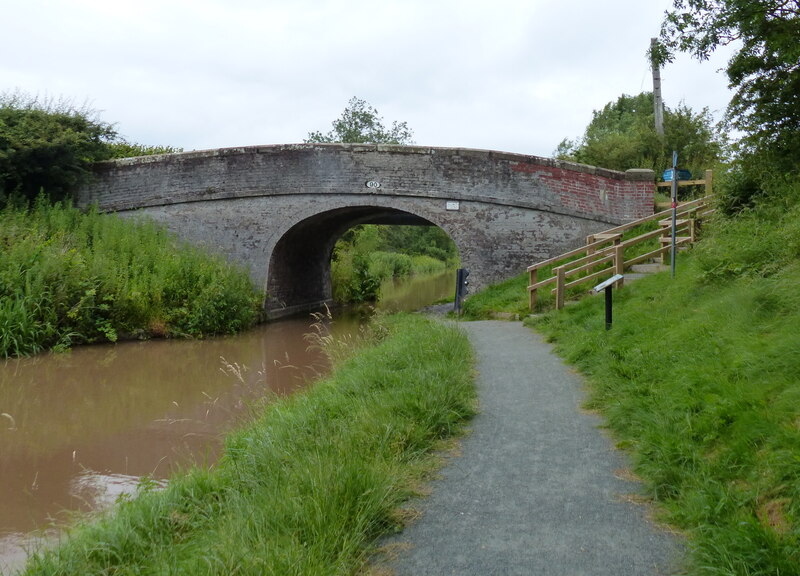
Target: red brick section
point(618, 198)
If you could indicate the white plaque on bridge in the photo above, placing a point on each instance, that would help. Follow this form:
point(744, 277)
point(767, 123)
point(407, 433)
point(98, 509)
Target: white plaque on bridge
point(452, 205)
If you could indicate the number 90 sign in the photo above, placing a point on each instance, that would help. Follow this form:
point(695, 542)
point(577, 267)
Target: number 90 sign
point(373, 184)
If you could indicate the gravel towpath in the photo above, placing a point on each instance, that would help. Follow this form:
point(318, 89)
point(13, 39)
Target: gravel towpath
point(538, 488)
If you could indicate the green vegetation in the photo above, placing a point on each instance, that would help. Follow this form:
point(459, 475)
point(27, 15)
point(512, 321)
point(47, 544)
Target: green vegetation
point(700, 379)
point(68, 277)
point(763, 69)
point(510, 297)
point(361, 123)
point(123, 149)
point(309, 486)
point(49, 146)
point(764, 73)
point(368, 255)
point(622, 135)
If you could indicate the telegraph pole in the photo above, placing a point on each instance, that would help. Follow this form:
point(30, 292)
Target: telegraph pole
point(658, 102)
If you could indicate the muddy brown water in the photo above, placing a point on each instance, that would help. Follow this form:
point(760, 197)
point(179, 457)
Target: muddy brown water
point(78, 430)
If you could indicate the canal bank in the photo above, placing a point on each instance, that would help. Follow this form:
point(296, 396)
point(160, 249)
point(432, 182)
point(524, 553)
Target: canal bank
point(308, 486)
point(85, 427)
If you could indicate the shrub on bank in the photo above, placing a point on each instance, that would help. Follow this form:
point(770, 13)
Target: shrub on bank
point(386, 265)
point(68, 277)
point(310, 485)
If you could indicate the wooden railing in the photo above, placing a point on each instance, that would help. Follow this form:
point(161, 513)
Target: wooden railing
point(604, 253)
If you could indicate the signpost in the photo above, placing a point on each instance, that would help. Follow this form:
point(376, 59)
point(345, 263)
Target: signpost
point(675, 176)
point(461, 288)
point(607, 286)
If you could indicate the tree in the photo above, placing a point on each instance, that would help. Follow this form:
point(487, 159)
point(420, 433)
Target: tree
point(764, 70)
point(622, 135)
point(47, 145)
point(361, 123)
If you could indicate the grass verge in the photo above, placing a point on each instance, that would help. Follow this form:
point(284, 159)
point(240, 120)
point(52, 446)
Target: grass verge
point(700, 379)
point(308, 486)
point(68, 277)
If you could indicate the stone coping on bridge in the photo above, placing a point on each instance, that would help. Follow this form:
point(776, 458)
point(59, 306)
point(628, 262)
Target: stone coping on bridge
point(633, 174)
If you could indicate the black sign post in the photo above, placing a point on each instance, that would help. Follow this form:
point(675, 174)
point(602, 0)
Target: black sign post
point(607, 286)
point(674, 190)
point(462, 285)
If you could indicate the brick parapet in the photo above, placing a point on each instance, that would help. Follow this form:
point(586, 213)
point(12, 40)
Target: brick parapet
point(320, 169)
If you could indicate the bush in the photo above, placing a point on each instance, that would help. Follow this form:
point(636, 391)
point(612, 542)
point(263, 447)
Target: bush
point(386, 265)
point(47, 145)
point(368, 255)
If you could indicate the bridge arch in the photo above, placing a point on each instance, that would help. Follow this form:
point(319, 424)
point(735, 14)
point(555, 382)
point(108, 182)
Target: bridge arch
point(299, 267)
point(276, 209)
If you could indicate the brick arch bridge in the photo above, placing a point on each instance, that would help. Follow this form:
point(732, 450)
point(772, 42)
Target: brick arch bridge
point(278, 210)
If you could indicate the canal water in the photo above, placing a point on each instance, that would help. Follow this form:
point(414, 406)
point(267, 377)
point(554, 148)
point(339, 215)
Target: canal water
point(79, 429)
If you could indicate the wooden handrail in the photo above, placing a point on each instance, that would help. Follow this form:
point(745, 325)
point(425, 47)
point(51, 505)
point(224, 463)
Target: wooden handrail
point(610, 249)
point(683, 208)
point(707, 181)
point(566, 255)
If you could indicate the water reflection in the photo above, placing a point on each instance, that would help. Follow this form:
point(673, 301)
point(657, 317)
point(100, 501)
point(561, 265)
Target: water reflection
point(400, 295)
point(81, 428)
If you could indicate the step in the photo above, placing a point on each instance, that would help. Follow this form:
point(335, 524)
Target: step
point(648, 268)
point(668, 222)
point(630, 277)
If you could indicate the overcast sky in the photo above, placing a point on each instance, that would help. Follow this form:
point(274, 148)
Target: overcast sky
point(511, 75)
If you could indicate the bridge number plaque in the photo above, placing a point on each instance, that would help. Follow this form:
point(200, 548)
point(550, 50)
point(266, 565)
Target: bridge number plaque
point(452, 205)
point(373, 184)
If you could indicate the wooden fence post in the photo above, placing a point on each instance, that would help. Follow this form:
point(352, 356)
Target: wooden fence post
point(531, 282)
point(619, 263)
point(709, 182)
point(560, 281)
point(589, 241)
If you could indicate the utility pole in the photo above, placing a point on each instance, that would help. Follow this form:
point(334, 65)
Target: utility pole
point(658, 102)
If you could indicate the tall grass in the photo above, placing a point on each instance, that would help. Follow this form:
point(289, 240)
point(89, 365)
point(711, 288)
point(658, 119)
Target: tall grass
point(700, 378)
point(309, 486)
point(68, 277)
